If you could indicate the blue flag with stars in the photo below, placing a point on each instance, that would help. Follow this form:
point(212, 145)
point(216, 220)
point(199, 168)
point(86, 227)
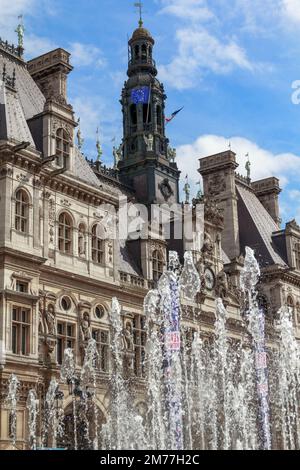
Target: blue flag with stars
point(140, 95)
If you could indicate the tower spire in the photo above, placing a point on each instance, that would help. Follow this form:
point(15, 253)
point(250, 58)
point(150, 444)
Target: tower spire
point(139, 5)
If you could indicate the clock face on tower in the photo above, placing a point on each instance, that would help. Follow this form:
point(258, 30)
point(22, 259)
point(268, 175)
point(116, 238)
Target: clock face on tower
point(209, 278)
point(166, 189)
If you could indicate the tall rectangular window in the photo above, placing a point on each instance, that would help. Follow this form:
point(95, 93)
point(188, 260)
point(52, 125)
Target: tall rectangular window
point(20, 331)
point(65, 339)
point(297, 256)
point(102, 340)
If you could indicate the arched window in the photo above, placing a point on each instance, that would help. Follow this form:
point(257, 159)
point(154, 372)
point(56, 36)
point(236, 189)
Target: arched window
point(147, 115)
point(158, 116)
point(65, 233)
point(136, 52)
point(157, 265)
point(133, 115)
point(22, 211)
point(144, 53)
point(97, 247)
point(62, 148)
point(81, 240)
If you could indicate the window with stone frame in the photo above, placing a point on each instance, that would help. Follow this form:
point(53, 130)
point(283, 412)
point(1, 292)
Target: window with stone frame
point(297, 255)
point(62, 148)
point(102, 341)
point(20, 331)
point(22, 211)
point(139, 341)
point(98, 247)
point(157, 265)
point(65, 231)
point(66, 336)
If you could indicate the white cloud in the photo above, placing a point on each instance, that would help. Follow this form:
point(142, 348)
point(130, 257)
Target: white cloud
point(199, 51)
point(36, 46)
point(291, 8)
point(294, 194)
point(84, 55)
point(194, 10)
point(286, 166)
point(94, 111)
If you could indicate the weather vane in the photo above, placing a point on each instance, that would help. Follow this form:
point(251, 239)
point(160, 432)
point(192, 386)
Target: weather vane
point(248, 166)
point(20, 30)
point(98, 147)
point(139, 5)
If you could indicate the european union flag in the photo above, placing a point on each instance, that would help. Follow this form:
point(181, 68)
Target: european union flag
point(140, 95)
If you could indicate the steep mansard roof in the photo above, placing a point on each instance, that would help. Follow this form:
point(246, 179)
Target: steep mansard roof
point(31, 97)
point(257, 227)
point(27, 101)
point(13, 125)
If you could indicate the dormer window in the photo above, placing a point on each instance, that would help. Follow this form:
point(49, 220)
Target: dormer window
point(297, 255)
point(62, 148)
point(157, 265)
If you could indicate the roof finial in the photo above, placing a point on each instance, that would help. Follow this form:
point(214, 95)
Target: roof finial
point(248, 167)
point(200, 192)
point(139, 5)
point(187, 190)
point(20, 30)
point(98, 147)
point(80, 140)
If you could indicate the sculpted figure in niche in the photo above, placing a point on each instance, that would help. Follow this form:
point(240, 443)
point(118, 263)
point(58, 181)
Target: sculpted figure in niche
point(207, 244)
point(128, 345)
point(50, 319)
point(222, 285)
point(86, 333)
point(149, 142)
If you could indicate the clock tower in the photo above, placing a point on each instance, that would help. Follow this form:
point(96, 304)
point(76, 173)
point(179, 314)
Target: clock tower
point(147, 160)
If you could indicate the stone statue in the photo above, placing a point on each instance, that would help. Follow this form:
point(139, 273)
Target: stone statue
point(20, 31)
point(207, 244)
point(187, 191)
point(81, 244)
point(98, 147)
point(149, 142)
point(171, 154)
point(127, 339)
point(118, 154)
point(80, 140)
point(248, 167)
point(50, 319)
point(86, 333)
point(222, 285)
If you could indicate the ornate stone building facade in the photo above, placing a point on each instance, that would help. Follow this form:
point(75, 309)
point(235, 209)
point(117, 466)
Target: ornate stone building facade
point(58, 275)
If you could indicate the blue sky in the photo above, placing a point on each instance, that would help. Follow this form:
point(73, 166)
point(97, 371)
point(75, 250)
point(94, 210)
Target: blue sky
point(230, 63)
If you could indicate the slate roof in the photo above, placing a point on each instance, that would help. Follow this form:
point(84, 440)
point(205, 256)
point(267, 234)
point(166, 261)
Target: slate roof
point(256, 228)
point(13, 125)
point(31, 97)
point(17, 107)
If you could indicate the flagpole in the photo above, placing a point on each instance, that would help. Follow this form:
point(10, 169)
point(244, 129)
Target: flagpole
point(149, 99)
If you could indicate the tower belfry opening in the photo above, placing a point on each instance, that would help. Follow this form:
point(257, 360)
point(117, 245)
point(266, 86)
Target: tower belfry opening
point(146, 163)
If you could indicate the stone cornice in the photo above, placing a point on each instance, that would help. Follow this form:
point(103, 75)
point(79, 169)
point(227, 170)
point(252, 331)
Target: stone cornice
point(30, 161)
